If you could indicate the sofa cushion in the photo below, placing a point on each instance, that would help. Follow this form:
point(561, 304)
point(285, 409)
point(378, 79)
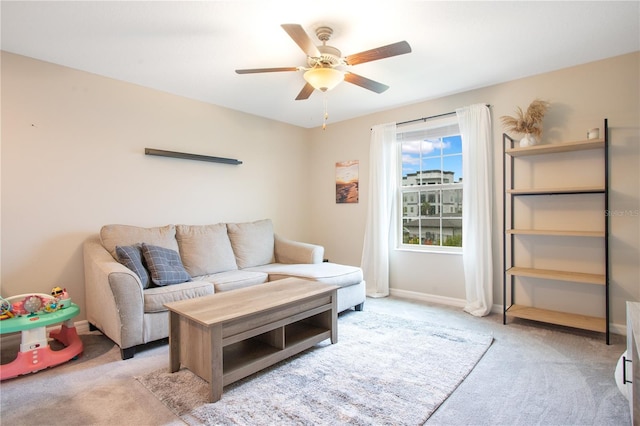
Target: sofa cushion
point(156, 297)
point(131, 257)
point(127, 235)
point(328, 273)
point(231, 280)
point(205, 249)
point(165, 266)
point(252, 242)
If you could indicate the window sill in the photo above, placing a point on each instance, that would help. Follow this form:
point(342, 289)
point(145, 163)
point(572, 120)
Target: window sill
point(431, 250)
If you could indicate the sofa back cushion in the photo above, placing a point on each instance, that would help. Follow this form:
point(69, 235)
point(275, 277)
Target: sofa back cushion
point(205, 249)
point(252, 242)
point(128, 235)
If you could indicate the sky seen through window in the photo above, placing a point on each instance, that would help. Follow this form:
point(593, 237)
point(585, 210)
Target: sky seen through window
point(436, 154)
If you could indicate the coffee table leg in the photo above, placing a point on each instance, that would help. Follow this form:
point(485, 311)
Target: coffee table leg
point(217, 375)
point(334, 317)
point(174, 342)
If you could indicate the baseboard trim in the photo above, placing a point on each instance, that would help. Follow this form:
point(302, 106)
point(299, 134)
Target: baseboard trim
point(424, 297)
point(82, 327)
point(620, 329)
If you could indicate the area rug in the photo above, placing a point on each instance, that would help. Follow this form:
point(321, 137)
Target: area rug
point(383, 370)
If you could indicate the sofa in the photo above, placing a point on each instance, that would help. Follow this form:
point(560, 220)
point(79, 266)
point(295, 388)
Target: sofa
point(131, 272)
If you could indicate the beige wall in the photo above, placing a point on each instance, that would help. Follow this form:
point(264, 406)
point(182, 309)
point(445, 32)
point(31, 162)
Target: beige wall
point(72, 160)
point(581, 98)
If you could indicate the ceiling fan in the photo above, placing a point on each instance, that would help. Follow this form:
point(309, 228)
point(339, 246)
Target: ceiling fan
point(326, 66)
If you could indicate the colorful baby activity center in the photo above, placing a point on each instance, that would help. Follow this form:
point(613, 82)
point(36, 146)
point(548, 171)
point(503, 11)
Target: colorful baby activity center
point(31, 314)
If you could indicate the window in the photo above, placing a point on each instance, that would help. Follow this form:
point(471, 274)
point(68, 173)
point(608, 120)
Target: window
point(430, 187)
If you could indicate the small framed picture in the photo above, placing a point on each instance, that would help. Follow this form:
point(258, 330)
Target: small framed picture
point(347, 181)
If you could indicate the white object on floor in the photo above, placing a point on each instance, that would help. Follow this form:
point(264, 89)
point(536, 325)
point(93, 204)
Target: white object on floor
point(619, 374)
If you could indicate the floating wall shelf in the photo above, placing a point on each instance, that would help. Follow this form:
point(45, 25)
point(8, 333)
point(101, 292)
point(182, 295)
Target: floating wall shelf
point(187, 156)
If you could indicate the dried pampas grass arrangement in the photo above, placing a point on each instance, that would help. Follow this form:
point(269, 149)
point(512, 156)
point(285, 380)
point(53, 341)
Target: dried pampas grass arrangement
point(529, 122)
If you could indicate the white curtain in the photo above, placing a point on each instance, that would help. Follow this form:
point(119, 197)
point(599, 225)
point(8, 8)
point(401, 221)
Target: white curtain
point(379, 230)
point(475, 129)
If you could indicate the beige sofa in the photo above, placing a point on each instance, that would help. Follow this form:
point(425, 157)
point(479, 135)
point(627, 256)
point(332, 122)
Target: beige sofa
point(130, 272)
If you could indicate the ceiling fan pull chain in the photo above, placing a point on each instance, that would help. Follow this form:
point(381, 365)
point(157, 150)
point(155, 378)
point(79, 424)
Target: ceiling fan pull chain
point(326, 113)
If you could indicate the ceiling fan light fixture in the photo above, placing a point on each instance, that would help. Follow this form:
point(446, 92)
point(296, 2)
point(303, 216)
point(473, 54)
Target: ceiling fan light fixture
point(324, 79)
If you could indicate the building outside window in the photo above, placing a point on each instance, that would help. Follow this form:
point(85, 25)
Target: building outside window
point(430, 188)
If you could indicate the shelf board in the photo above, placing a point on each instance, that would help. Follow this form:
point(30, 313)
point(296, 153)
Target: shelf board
point(553, 191)
point(188, 156)
point(247, 357)
point(556, 233)
point(583, 322)
point(556, 148)
point(579, 277)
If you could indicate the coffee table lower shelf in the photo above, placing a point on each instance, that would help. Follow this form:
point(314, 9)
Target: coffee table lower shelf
point(247, 357)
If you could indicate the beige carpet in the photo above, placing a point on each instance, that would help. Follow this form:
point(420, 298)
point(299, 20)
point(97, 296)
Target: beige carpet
point(531, 374)
point(383, 370)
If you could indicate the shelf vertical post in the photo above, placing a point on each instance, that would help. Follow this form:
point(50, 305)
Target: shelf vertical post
point(504, 230)
point(606, 224)
point(506, 225)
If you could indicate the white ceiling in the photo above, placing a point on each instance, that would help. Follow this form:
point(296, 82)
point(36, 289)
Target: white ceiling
point(192, 48)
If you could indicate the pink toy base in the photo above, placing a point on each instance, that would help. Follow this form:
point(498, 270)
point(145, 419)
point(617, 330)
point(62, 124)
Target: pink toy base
point(40, 358)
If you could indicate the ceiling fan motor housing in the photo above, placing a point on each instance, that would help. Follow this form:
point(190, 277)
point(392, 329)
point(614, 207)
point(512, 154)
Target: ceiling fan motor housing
point(329, 57)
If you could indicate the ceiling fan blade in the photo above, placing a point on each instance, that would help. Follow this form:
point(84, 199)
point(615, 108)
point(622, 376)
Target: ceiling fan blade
point(306, 91)
point(395, 49)
point(297, 33)
point(361, 81)
point(257, 70)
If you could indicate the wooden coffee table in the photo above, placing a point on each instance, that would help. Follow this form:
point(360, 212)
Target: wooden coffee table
point(230, 335)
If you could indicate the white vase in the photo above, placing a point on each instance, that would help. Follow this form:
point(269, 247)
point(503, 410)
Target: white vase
point(528, 140)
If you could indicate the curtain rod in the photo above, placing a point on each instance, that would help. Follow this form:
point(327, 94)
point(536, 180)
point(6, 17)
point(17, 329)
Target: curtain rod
point(430, 117)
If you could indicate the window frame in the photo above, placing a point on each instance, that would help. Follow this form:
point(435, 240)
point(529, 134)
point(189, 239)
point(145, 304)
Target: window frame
point(442, 127)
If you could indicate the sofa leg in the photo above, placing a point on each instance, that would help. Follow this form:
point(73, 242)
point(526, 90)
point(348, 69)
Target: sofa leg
point(128, 352)
point(359, 307)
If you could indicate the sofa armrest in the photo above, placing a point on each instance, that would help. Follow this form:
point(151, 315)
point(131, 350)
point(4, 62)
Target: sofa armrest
point(114, 298)
point(288, 251)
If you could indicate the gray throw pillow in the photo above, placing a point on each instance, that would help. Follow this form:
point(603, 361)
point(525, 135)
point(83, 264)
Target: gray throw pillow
point(165, 266)
point(131, 257)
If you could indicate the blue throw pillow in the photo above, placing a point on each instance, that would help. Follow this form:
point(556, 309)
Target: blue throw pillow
point(131, 257)
point(165, 266)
